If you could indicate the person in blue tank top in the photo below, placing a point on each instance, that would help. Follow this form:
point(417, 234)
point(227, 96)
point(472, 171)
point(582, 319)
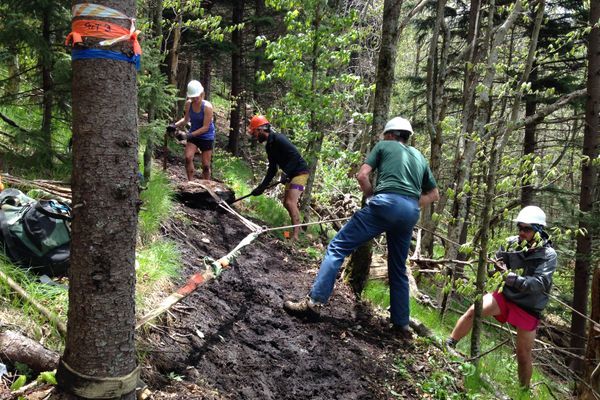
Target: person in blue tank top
point(201, 135)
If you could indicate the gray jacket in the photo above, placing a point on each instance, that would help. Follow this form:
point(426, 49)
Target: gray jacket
point(530, 278)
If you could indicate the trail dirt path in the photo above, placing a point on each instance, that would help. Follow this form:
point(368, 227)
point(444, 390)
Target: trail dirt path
point(231, 339)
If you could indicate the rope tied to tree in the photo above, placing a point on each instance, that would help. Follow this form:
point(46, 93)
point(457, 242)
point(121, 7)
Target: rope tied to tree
point(113, 33)
point(93, 387)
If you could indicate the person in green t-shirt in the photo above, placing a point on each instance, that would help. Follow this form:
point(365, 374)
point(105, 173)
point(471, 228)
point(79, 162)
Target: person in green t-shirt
point(404, 184)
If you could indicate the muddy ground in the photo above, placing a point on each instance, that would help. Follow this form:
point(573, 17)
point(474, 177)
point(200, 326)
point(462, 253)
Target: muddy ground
point(231, 339)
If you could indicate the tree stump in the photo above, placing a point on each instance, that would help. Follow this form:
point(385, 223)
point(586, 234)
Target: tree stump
point(194, 194)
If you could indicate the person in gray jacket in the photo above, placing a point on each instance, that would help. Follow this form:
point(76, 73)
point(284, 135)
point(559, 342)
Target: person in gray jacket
point(527, 264)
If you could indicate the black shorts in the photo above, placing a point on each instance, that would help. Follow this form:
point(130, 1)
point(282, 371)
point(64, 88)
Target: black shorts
point(202, 144)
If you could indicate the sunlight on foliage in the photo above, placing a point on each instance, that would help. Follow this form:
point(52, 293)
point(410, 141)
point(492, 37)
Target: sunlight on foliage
point(157, 200)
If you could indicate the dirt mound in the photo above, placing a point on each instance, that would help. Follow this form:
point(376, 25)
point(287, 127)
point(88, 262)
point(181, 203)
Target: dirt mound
point(232, 339)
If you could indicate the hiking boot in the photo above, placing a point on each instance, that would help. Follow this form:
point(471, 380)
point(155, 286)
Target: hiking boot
point(402, 333)
point(305, 308)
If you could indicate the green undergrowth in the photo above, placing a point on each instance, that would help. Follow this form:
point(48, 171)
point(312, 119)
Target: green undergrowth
point(18, 314)
point(236, 174)
point(498, 368)
point(157, 262)
point(157, 202)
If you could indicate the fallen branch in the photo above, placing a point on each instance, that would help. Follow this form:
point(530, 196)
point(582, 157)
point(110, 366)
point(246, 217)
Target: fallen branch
point(60, 326)
point(18, 348)
point(63, 193)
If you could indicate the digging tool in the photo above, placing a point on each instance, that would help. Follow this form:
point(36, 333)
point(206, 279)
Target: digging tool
point(250, 194)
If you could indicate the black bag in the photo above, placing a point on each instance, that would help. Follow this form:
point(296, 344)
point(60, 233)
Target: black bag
point(35, 234)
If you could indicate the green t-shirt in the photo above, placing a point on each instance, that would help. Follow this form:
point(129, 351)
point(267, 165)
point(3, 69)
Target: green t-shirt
point(400, 169)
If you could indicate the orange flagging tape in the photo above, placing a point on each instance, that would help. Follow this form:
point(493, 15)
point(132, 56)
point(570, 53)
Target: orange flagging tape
point(104, 30)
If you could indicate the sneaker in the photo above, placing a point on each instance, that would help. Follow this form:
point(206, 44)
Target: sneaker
point(305, 308)
point(451, 343)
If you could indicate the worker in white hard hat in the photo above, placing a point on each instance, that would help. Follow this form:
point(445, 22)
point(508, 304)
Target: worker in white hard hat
point(404, 184)
point(201, 136)
point(527, 265)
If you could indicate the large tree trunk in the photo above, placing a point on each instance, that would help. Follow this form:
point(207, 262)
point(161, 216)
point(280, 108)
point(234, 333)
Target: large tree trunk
point(357, 269)
point(13, 70)
point(45, 151)
point(529, 145)
point(498, 146)
point(236, 78)
point(101, 318)
point(436, 78)
point(592, 376)
point(259, 52)
point(156, 18)
point(465, 151)
point(314, 146)
point(588, 185)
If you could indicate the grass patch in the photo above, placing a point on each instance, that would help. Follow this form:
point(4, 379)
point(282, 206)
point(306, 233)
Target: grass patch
point(499, 367)
point(237, 175)
point(157, 205)
point(14, 310)
point(158, 263)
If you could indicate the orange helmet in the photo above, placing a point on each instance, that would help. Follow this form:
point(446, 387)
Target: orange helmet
point(256, 122)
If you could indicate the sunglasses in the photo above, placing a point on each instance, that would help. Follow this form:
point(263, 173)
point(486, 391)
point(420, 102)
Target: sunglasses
point(524, 228)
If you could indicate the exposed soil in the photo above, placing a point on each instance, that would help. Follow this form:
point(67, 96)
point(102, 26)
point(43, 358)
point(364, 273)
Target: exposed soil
point(231, 339)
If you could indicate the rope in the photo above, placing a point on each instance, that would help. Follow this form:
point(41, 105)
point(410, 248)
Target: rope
point(305, 224)
point(572, 309)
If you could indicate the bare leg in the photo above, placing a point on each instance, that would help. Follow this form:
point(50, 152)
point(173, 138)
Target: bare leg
point(190, 152)
point(525, 340)
point(206, 156)
point(465, 322)
point(290, 202)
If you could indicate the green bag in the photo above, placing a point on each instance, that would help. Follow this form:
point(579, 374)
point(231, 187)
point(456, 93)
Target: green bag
point(35, 233)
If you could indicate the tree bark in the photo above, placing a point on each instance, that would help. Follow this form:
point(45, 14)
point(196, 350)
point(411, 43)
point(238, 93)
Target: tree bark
point(436, 78)
point(236, 78)
point(588, 185)
point(45, 153)
point(314, 146)
point(465, 151)
point(156, 18)
point(18, 348)
point(101, 317)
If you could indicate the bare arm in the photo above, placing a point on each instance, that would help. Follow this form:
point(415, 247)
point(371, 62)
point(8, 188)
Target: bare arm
point(363, 179)
point(429, 197)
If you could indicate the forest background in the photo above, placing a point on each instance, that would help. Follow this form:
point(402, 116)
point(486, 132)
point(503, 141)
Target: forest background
point(503, 96)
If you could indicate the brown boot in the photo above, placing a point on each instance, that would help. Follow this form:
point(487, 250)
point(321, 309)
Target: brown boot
point(305, 308)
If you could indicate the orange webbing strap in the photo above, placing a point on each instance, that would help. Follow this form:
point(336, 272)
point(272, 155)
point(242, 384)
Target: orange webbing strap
point(104, 30)
point(1, 185)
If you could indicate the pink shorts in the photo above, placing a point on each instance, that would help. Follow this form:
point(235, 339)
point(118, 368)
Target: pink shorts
point(514, 315)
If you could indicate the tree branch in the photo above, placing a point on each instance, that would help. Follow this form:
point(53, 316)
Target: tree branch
point(539, 116)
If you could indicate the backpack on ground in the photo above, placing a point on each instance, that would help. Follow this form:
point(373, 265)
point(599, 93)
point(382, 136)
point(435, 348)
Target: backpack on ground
point(35, 233)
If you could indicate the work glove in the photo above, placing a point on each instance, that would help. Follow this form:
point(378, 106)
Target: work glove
point(180, 135)
point(284, 179)
point(258, 191)
point(515, 281)
point(171, 129)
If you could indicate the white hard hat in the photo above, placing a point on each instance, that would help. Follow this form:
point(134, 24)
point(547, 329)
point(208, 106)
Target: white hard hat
point(398, 124)
point(531, 215)
point(194, 89)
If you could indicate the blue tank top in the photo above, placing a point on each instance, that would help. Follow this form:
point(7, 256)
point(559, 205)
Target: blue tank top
point(197, 119)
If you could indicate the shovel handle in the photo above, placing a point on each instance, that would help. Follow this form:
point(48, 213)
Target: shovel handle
point(250, 194)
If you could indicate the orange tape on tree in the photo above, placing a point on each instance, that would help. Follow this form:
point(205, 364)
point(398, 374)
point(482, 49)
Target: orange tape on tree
point(104, 30)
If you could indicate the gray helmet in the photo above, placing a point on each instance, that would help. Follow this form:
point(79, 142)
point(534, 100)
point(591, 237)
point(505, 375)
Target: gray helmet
point(398, 124)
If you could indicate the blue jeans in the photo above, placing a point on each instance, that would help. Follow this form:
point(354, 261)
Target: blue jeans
point(394, 214)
